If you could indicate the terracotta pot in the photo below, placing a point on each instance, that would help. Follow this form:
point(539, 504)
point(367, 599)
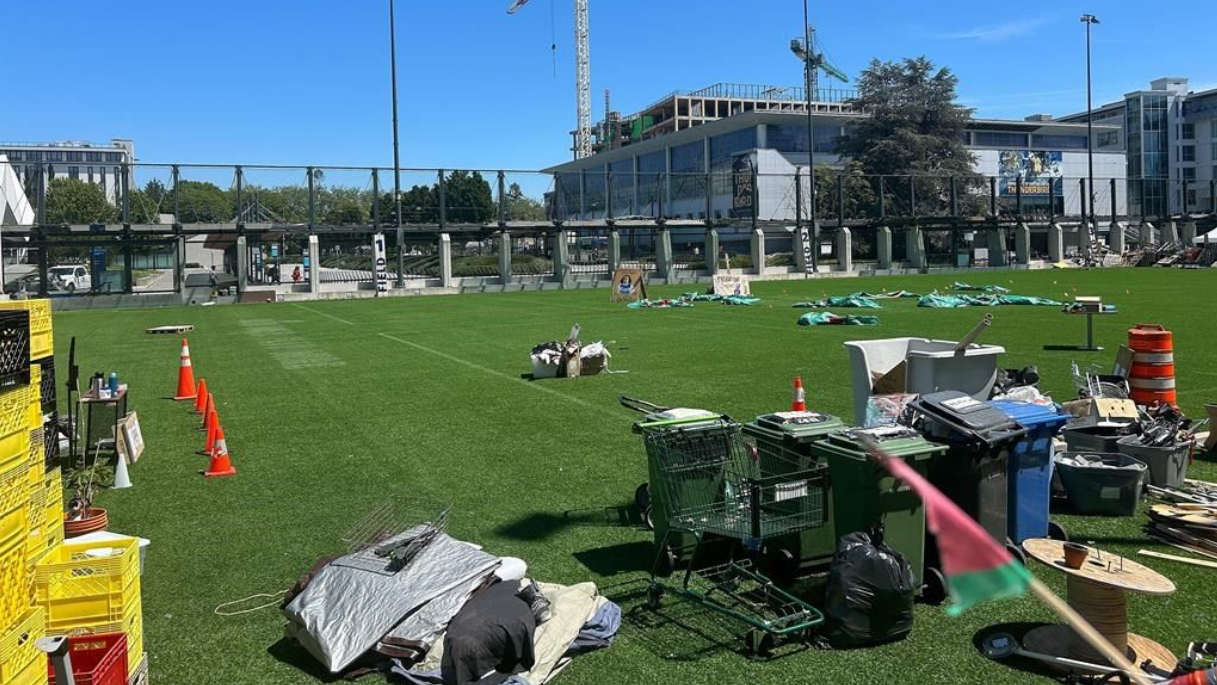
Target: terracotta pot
point(1075, 554)
point(95, 520)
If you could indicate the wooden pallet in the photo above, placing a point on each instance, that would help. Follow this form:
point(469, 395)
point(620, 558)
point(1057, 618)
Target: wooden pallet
point(164, 330)
point(140, 675)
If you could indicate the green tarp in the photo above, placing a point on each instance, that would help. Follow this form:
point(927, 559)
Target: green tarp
point(659, 304)
point(979, 288)
point(854, 300)
point(941, 301)
point(741, 300)
point(729, 299)
point(830, 319)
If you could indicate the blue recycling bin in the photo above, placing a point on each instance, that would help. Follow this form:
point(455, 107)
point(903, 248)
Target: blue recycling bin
point(1031, 463)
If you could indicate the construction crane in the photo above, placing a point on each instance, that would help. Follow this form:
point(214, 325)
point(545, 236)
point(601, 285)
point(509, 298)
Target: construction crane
point(583, 78)
point(814, 63)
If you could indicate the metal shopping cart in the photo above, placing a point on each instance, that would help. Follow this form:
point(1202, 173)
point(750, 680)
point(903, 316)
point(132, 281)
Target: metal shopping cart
point(713, 485)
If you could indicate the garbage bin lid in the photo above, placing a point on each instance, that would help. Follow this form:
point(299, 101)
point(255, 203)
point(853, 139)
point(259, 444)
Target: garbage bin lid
point(897, 441)
point(1029, 415)
point(967, 415)
point(800, 422)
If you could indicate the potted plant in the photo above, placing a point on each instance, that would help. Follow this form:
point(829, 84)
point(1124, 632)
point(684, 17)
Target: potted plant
point(82, 517)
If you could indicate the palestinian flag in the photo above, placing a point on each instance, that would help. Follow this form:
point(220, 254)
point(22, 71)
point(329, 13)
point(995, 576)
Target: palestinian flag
point(1205, 677)
point(976, 567)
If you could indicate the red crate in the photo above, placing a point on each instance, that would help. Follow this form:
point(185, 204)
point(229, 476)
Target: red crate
point(96, 659)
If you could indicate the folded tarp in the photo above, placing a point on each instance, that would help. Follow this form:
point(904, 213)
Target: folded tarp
point(942, 301)
point(889, 295)
point(741, 300)
point(830, 319)
point(701, 297)
point(844, 301)
point(660, 304)
point(354, 601)
point(1030, 300)
point(979, 288)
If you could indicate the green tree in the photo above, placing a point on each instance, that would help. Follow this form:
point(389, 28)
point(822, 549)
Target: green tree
point(468, 198)
point(346, 212)
point(142, 208)
point(521, 207)
point(861, 200)
point(72, 201)
point(156, 192)
point(202, 202)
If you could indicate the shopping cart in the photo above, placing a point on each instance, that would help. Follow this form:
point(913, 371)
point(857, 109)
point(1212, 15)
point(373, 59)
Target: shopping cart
point(713, 485)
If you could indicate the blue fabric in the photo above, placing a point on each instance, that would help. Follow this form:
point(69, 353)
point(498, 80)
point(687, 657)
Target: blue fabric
point(599, 630)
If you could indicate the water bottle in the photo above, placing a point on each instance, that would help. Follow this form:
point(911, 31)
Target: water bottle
point(113, 384)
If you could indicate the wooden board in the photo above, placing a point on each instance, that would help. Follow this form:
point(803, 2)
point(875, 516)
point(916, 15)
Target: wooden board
point(1187, 518)
point(130, 443)
point(166, 330)
point(628, 285)
point(1124, 574)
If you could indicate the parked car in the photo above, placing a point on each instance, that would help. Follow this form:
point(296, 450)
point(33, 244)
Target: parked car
point(29, 282)
point(69, 278)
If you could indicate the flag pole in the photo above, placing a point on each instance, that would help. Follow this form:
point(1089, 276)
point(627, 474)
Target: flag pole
point(1087, 631)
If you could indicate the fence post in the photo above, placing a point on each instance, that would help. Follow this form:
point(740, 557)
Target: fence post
point(711, 249)
point(1086, 201)
point(441, 186)
point(179, 268)
point(445, 260)
point(375, 201)
point(755, 198)
point(43, 262)
point(505, 256)
point(41, 184)
point(1018, 197)
point(502, 199)
point(1052, 201)
point(126, 205)
point(608, 194)
point(1114, 206)
point(240, 177)
point(841, 200)
point(710, 198)
point(312, 202)
point(993, 196)
point(798, 201)
point(127, 239)
point(882, 198)
point(954, 199)
point(912, 197)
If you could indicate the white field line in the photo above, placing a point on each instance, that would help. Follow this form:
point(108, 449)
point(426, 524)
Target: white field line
point(328, 316)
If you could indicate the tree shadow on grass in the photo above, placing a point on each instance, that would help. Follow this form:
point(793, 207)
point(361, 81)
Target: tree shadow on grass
point(630, 557)
point(290, 652)
point(542, 525)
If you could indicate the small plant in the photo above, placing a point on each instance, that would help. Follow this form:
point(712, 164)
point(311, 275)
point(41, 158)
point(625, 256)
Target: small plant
point(84, 482)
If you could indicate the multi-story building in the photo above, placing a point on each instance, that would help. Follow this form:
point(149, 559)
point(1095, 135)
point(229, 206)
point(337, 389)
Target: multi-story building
point(97, 163)
point(1170, 136)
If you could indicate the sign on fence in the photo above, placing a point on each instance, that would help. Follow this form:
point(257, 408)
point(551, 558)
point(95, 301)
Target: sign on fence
point(809, 264)
point(628, 285)
point(731, 284)
point(380, 263)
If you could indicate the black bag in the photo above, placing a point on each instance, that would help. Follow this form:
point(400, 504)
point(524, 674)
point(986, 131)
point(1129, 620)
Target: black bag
point(870, 593)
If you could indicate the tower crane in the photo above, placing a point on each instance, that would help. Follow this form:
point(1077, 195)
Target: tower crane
point(814, 63)
point(583, 79)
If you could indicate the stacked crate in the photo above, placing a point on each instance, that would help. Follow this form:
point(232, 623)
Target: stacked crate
point(22, 497)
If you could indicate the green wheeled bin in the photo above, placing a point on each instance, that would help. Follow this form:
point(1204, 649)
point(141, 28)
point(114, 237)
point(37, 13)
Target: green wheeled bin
point(864, 493)
point(784, 440)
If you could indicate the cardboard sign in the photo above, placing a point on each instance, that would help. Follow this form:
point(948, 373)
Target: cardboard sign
point(381, 264)
point(130, 441)
point(628, 285)
point(809, 265)
point(730, 284)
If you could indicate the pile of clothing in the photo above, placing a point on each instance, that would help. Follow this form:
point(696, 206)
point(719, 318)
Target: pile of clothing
point(452, 615)
point(854, 300)
point(830, 319)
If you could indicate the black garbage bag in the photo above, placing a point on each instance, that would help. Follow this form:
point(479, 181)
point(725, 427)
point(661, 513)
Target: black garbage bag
point(871, 588)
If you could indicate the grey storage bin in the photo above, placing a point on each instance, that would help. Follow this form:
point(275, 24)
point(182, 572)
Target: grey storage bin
point(1167, 465)
point(1097, 439)
point(1110, 485)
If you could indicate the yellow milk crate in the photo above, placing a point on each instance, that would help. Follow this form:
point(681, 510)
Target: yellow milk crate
point(42, 338)
point(47, 531)
point(131, 625)
point(34, 674)
point(15, 426)
point(37, 459)
point(83, 584)
point(34, 416)
point(17, 644)
point(16, 584)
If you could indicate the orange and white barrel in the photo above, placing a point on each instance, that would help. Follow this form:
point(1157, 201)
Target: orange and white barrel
point(1152, 377)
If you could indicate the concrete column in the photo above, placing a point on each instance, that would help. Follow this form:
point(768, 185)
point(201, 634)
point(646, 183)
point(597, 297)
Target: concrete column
point(562, 255)
point(663, 254)
point(1188, 237)
point(1056, 242)
point(614, 251)
point(242, 264)
point(505, 249)
point(845, 249)
point(1147, 233)
point(1022, 243)
point(712, 251)
point(914, 249)
point(445, 260)
point(758, 251)
point(1170, 233)
point(1115, 237)
point(883, 238)
point(314, 261)
point(997, 246)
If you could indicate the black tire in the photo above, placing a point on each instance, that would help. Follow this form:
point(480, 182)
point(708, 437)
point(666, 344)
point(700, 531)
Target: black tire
point(783, 566)
point(934, 586)
point(70, 287)
point(665, 565)
point(642, 496)
point(758, 644)
point(1017, 552)
point(648, 518)
point(1057, 532)
point(654, 597)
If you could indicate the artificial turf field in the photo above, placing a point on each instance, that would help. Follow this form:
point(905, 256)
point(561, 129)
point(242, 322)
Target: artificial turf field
point(331, 407)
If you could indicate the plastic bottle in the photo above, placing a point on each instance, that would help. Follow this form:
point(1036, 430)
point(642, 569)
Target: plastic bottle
point(113, 384)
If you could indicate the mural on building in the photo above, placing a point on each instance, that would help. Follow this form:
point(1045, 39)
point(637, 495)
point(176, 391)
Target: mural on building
point(1036, 168)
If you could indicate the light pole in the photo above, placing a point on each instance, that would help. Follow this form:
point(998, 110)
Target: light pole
point(808, 65)
point(401, 236)
point(1089, 19)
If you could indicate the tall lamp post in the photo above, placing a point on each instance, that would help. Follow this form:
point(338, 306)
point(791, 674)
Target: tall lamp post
point(1089, 19)
point(401, 235)
point(808, 65)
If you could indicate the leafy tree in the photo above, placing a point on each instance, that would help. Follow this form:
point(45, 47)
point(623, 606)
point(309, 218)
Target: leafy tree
point(468, 198)
point(142, 209)
point(346, 212)
point(522, 208)
point(156, 192)
point(72, 201)
point(202, 202)
point(861, 200)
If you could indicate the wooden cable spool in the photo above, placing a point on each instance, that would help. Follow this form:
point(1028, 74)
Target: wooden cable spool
point(1151, 378)
point(1106, 608)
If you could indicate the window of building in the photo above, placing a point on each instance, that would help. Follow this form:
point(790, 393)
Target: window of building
point(114, 157)
point(726, 146)
point(1213, 153)
point(75, 156)
point(74, 172)
point(1187, 153)
point(1187, 131)
point(651, 166)
point(13, 155)
point(92, 156)
point(688, 165)
point(1003, 139)
point(1107, 139)
point(1058, 142)
point(1189, 173)
point(53, 156)
point(89, 172)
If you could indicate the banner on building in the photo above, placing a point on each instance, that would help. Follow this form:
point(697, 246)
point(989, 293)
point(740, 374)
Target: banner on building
point(380, 263)
point(628, 285)
point(743, 194)
point(731, 284)
point(1040, 171)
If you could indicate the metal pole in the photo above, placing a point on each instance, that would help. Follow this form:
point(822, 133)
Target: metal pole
point(443, 200)
point(752, 173)
point(808, 65)
point(375, 200)
point(882, 198)
point(240, 192)
point(993, 195)
point(502, 199)
point(126, 206)
point(1114, 208)
point(312, 203)
point(798, 200)
point(840, 200)
point(401, 237)
point(43, 173)
point(1089, 19)
point(1018, 196)
point(608, 194)
point(954, 199)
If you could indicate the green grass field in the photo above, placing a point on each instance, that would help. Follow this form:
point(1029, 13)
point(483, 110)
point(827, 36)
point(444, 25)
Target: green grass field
point(329, 408)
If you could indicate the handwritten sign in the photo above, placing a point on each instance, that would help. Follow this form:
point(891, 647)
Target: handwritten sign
point(731, 284)
point(130, 439)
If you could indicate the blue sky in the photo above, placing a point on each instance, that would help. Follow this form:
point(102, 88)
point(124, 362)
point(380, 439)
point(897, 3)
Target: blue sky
point(306, 81)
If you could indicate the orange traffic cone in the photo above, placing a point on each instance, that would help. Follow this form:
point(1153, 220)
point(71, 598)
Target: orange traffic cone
point(185, 375)
point(799, 401)
point(213, 434)
point(221, 465)
point(200, 400)
point(208, 413)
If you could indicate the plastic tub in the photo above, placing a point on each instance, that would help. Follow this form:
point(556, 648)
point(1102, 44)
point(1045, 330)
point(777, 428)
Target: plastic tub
point(103, 536)
point(1112, 489)
point(1167, 465)
point(932, 365)
point(96, 660)
point(1097, 439)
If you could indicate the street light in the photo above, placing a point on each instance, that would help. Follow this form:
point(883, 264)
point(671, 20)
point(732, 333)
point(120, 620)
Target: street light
point(401, 236)
point(1089, 19)
point(808, 65)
